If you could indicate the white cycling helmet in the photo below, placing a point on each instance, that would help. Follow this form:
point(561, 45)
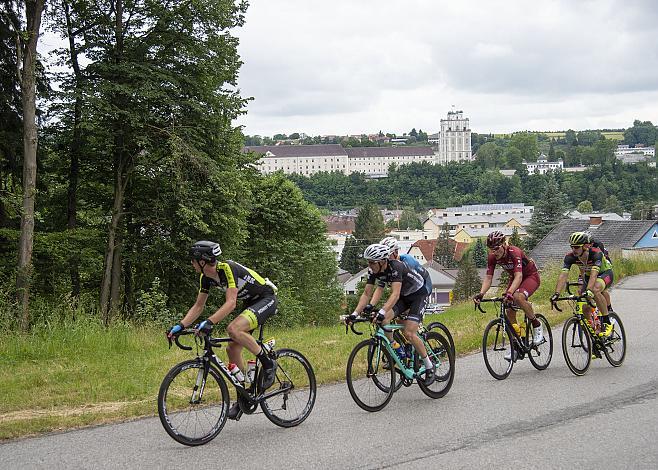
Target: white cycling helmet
point(377, 252)
point(391, 243)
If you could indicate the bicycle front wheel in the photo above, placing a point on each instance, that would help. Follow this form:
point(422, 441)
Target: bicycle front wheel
point(497, 349)
point(615, 345)
point(193, 404)
point(370, 382)
point(441, 354)
point(540, 354)
point(576, 346)
point(295, 390)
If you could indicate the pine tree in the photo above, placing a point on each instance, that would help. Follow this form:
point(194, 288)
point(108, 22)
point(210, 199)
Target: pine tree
point(349, 258)
point(368, 229)
point(516, 240)
point(468, 281)
point(549, 210)
point(444, 252)
point(480, 254)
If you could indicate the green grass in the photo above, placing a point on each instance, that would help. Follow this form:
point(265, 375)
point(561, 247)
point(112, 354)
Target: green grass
point(67, 375)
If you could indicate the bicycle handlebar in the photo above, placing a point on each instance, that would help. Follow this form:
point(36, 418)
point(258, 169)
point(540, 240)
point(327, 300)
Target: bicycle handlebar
point(350, 323)
point(215, 342)
point(576, 298)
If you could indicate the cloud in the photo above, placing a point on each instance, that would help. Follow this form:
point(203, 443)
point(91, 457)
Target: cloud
point(345, 66)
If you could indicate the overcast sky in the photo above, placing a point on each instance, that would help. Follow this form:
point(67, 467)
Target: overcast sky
point(360, 66)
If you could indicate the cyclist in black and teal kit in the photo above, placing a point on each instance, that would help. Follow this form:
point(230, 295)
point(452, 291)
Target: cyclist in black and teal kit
point(408, 292)
point(239, 283)
point(595, 270)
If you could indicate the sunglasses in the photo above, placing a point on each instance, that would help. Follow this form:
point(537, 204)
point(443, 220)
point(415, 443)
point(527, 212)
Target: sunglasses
point(576, 246)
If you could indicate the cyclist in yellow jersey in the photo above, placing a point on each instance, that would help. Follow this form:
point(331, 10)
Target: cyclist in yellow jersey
point(596, 271)
point(239, 283)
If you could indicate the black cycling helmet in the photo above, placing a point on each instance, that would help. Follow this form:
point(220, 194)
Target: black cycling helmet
point(205, 250)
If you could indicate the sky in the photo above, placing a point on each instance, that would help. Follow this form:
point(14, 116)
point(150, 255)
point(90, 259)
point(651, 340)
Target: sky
point(361, 66)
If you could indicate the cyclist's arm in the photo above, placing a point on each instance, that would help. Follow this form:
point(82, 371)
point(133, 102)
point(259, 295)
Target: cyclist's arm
point(486, 284)
point(195, 310)
point(516, 282)
point(396, 287)
point(377, 296)
point(227, 307)
point(363, 300)
point(561, 281)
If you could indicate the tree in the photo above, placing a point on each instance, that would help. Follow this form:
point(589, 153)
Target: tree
point(409, 220)
point(612, 205)
point(369, 225)
point(349, 258)
point(468, 281)
point(480, 254)
point(444, 250)
point(26, 62)
point(549, 210)
point(644, 133)
point(526, 143)
point(585, 207)
point(515, 239)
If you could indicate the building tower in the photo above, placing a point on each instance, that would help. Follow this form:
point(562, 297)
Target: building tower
point(455, 139)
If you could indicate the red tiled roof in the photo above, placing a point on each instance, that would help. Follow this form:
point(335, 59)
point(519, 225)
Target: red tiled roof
point(339, 224)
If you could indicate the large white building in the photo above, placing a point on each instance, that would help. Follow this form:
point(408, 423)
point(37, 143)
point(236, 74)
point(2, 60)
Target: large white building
point(310, 159)
point(454, 145)
point(455, 139)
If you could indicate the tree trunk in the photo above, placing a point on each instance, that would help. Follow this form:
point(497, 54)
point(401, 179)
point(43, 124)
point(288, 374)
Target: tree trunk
point(76, 146)
point(33, 11)
point(115, 289)
point(106, 285)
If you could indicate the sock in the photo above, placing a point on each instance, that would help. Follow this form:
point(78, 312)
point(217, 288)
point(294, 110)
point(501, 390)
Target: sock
point(264, 359)
point(609, 307)
point(536, 323)
point(428, 362)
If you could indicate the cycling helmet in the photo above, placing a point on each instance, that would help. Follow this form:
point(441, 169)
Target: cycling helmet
point(391, 243)
point(579, 238)
point(495, 239)
point(205, 250)
point(377, 252)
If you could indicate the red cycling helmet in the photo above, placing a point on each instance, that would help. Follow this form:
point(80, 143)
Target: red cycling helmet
point(495, 239)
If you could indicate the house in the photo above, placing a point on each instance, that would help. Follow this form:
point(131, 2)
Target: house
point(626, 236)
point(469, 235)
point(423, 250)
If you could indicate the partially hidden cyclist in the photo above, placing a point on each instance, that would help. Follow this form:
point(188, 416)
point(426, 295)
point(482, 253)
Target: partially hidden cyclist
point(407, 259)
point(408, 292)
point(596, 272)
point(595, 243)
point(524, 280)
point(239, 283)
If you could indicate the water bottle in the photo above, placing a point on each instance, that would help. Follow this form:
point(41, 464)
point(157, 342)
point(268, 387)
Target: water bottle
point(399, 350)
point(236, 372)
point(251, 370)
point(517, 328)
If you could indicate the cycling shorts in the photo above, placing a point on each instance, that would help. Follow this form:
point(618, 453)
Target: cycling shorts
point(528, 285)
point(259, 310)
point(415, 303)
point(604, 278)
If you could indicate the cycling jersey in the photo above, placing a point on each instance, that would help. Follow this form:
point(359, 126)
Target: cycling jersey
point(397, 271)
point(250, 284)
point(514, 260)
point(599, 244)
point(414, 264)
point(595, 261)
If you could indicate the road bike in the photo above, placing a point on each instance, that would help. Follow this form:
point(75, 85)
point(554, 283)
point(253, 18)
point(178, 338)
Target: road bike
point(580, 341)
point(193, 401)
point(373, 365)
point(502, 345)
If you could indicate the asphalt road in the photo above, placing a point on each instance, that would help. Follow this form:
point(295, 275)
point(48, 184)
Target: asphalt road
point(550, 419)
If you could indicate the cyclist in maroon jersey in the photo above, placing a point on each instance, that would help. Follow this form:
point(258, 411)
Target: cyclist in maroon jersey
point(524, 279)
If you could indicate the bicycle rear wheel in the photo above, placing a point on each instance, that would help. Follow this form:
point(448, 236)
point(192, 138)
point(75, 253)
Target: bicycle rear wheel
point(296, 390)
point(576, 346)
point(444, 331)
point(193, 405)
point(441, 354)
point(371, 385)
point(496, 344)
point(615, 345)
point(540, 354)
